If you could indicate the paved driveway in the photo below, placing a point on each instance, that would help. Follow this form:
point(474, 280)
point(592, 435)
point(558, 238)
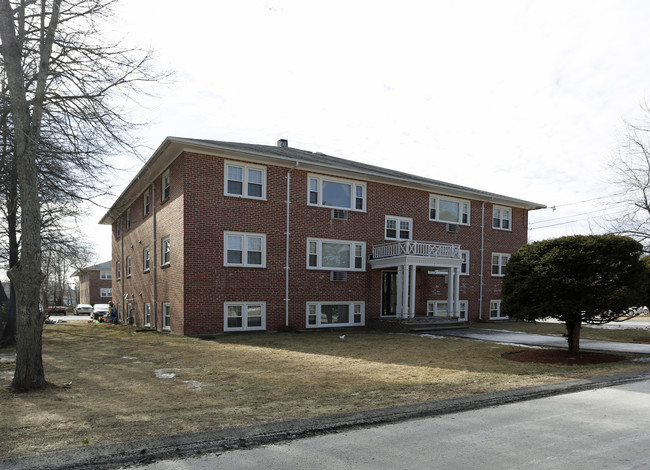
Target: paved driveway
point(516, 337)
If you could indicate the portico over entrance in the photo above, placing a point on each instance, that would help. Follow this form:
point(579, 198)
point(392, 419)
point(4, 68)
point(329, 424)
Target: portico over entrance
point(406, 257)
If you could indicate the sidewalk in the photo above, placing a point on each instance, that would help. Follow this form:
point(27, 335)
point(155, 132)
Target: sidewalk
point(516, 337)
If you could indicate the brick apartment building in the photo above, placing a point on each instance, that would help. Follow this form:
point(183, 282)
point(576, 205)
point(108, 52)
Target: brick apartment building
point(95, 283)
point(214, 237)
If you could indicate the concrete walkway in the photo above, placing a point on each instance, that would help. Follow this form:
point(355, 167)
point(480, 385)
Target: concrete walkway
point(516, 337)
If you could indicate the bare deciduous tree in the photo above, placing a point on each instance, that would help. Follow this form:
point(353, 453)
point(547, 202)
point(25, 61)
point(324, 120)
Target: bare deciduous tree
point(631, 172)
point(68, 90)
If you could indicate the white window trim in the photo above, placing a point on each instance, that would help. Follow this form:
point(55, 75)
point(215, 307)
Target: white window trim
point(118, 270)
point(466, 272)
point(128, 266)
point(105, 275)
point(353, 192)
point(461, 202)
point(146, 259)
point(165, 185)
point(244, 306)
point(146, 203)
point(166, 315)
point(398, 220)
point(147, 314)
point(498, 316)
point(351, 305)
point(501, 264)
point(245, 236)
point(319, 254)
point(162, 251)
point(432, 307)
point(502, 209)
point(105, 292)
point(245, 167)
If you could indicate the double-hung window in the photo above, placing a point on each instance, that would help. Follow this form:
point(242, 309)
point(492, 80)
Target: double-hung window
point(106, 292)
point(495, 311)
point(440, 308)
point(239, 316)
point(166, 185)
point(335, 314)
point(244, 249)
point(166, 251)
point(167, 315)
point(128, 219)
point(147, 314)
point(105, 275)
point(499, 261)
point(128, 266)
point(502, 218)
point(336, 255)
point(146, 259)
point(336, 193)
point(245, 180)
point(453, 211)
point(464, 267)
point(146, 204)
point(118, 270)
point(398, 228)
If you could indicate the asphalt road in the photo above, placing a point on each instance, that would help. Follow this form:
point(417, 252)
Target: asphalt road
point(602, 428)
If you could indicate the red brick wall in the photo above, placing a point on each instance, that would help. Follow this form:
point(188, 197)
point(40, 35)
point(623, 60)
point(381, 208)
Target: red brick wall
point(139, 287)
point(198, 213)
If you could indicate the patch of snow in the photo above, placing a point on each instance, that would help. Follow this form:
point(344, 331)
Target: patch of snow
point(165, 373)
point(521, 345)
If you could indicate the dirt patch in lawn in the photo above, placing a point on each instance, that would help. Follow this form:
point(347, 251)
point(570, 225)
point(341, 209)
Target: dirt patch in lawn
point(561, 356)
point(124, 384)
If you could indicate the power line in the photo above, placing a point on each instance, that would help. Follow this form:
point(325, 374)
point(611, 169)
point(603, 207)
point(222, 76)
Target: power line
point(555, 206)
point(578, 215)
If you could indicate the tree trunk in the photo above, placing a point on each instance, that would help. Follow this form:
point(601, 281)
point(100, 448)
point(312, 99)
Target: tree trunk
point(29, 374)
point(27, 117)
point(573, 335)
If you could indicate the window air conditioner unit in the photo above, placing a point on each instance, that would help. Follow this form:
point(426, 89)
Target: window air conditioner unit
point(452, 228)
point(339, 214)
point(338, 276)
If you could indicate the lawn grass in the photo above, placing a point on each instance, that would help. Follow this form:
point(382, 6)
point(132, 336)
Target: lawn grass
point(129, 384)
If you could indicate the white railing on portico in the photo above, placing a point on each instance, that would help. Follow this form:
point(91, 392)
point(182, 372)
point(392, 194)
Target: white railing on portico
point(416, 248)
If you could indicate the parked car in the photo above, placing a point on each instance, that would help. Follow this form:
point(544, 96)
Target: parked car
point(56, 310)
point(100, 310)
point(83, 309)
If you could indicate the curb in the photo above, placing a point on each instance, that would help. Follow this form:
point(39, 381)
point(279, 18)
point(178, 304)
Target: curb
point(209, 442)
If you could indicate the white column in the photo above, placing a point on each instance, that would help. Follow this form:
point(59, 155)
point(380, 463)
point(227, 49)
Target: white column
point(400, 275)
point(405, 291)
point(412, 300)
point(457, 291)
point(451, 279)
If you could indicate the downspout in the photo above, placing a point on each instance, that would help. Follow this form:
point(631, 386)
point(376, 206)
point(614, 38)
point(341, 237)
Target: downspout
point(286, 262)
point(154, 257)
point(122, 278)
point(480, 294)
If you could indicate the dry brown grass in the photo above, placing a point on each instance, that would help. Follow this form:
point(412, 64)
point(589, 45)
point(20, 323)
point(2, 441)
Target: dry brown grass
point(123, 389)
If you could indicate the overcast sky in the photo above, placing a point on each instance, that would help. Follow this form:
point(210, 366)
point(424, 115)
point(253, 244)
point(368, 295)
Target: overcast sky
point(521, 98)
